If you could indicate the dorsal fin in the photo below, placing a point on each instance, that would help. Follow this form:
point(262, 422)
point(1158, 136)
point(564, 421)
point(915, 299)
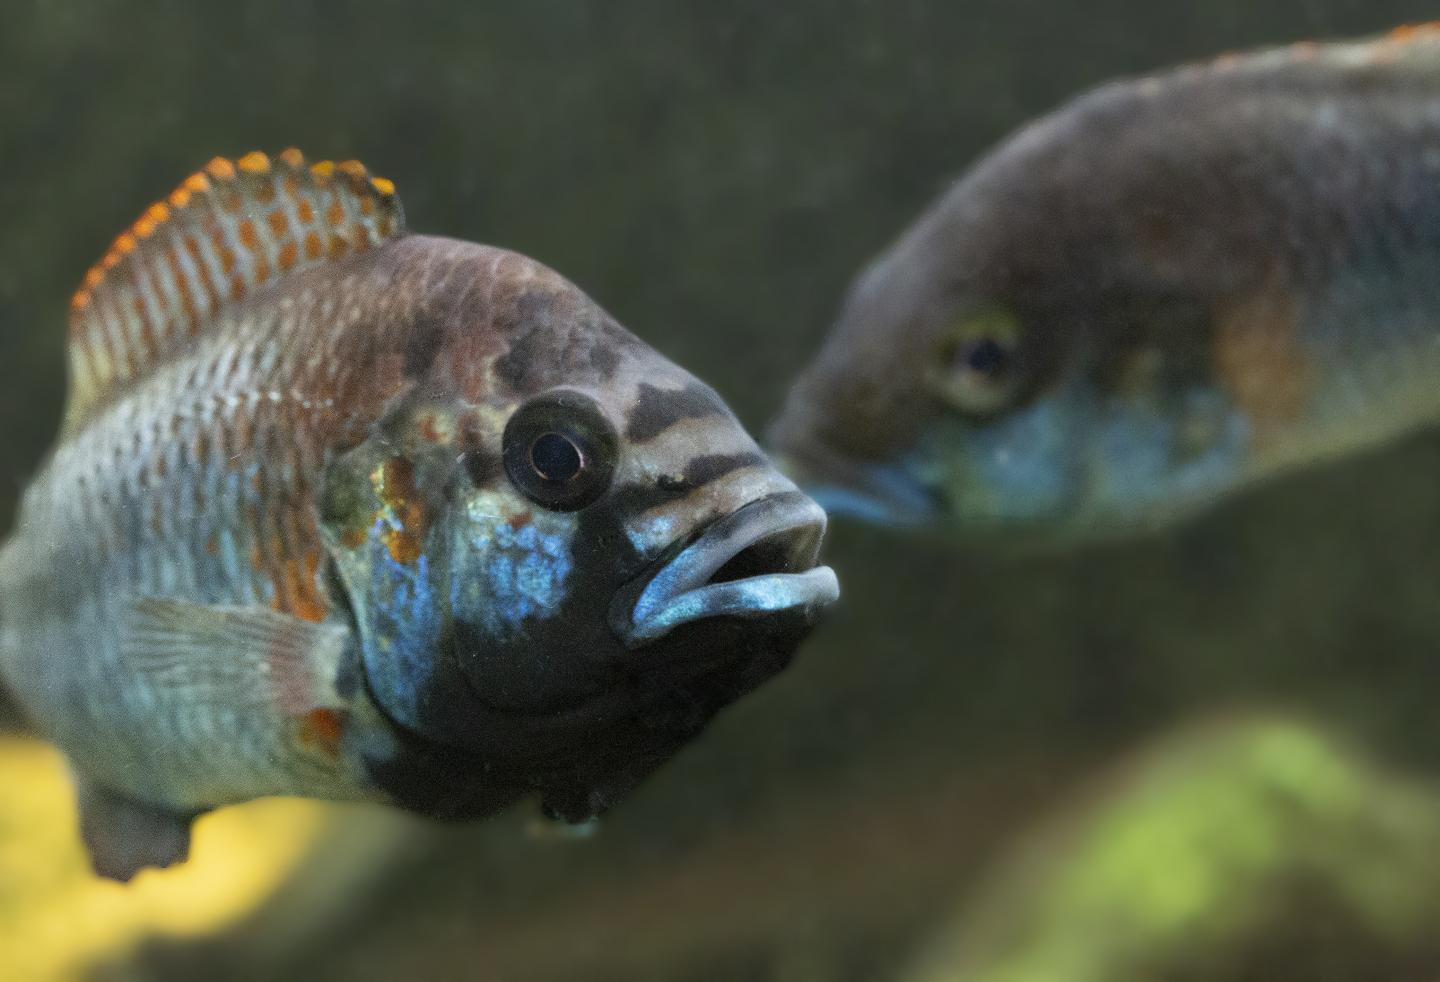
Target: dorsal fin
point(224, 233)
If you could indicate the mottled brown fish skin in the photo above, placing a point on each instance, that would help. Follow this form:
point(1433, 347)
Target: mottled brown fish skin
point(1204, 276)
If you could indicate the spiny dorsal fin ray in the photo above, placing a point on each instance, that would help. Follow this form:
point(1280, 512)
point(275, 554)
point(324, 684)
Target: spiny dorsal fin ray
point(225, 232)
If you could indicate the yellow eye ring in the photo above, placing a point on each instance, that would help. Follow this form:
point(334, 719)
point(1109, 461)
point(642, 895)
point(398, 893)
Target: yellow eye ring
point(976, 371)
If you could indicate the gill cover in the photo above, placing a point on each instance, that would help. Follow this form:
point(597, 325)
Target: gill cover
point(470, 604)
point(384, 510)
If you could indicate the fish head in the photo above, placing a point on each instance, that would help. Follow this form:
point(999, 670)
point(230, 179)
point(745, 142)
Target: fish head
point(1022, 399)
point(567, 555)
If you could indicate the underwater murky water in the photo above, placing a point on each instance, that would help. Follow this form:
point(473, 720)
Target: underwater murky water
point(1201, 753)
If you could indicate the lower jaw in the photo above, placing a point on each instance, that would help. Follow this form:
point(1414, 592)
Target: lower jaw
point(584, 759)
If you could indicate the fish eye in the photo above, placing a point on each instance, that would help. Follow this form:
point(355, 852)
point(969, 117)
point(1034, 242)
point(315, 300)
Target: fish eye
point(977, 370)
point(554, 457)
point(560, 450)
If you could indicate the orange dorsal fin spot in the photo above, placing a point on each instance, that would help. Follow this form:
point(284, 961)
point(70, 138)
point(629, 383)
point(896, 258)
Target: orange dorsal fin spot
point(1411, 32)
point(225, 233)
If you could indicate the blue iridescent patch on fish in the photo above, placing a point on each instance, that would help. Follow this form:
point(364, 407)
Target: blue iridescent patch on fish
point(522, 574)
point(409, 622)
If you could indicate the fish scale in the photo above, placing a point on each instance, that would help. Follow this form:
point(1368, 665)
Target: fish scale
point(267, 511)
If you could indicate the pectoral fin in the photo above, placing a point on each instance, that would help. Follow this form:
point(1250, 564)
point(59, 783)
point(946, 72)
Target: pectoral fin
point(238, 657)
point(124, 836)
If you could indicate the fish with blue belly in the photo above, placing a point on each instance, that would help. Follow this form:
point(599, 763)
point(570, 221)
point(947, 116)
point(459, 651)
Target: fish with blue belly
point(347, 512)
point(1169, 289)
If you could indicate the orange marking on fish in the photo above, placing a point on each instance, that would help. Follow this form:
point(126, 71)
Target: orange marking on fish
point(401, 497)
point(338, 247)
point(384, 186)
point(220, 169)
point(262, 270)
point(197, 183)
point(436, 428)
point(323, 168)
point(354, 537)
point(1258, 356)
point(335, 214)
point(305, 211)
point(314, 248)
point(323, 729)
point(265, 193)
point(519, 520)
point(289, 254)
point(212, 545)
point(291, 185)
point(154, 216)
point(291, 157)
point(232, 203)
point(278, 223)
point(1409, 32)
point(237, 289)
point(351, 168)
point(254, 162)
point(179, 198)
point(310, 603)
point(248, 236)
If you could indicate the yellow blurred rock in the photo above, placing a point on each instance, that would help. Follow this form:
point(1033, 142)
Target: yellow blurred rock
point(57, 920)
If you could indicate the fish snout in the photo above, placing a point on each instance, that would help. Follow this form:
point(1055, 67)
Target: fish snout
point(757, 561)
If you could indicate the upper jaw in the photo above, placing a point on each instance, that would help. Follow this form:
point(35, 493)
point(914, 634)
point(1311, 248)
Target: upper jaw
point(757, 561)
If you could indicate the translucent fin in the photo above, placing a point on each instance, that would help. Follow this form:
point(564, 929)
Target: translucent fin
point(223, 234)
point(236, 658)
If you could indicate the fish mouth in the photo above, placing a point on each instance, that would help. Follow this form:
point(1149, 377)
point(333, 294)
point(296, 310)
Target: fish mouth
point(758, 561)
point(881, 493)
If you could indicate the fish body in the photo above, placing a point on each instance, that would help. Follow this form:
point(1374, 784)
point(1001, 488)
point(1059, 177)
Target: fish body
point(1165, 291)
point(347, 512)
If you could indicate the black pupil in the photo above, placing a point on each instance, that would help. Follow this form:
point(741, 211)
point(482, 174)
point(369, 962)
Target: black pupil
point(986, 357)
point(555, 458)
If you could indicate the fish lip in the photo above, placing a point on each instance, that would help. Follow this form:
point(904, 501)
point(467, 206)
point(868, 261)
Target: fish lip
point(885, 493)
point(679, 590)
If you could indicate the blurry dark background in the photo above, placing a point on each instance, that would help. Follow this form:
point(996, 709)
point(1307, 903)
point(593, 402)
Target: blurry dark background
point(714, 173)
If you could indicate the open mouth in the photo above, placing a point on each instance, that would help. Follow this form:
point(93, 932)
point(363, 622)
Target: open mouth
point(754, 562)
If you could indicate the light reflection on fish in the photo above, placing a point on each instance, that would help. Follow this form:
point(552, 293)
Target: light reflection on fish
point(347, 512)
point(1165, 291)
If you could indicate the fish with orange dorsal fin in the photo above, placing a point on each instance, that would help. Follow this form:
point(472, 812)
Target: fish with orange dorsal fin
point(348, 512)
point(1166, 291)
